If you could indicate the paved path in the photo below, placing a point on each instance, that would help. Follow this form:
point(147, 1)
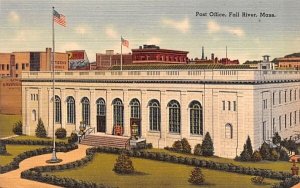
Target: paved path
point(12, 179)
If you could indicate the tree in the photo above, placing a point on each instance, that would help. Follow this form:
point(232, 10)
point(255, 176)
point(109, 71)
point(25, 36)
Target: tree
point(198, 150)
point(40, 130)
point(265, 151)
point(123, 164)
point(196, 176)
point(60, 133)
point(186, 147)
point(276, 139)
point(17, 128)
point(249, 146)
point(207, 145)
point(256, 156)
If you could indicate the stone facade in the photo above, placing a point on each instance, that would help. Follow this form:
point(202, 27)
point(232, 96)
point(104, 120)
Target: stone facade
point(235, 103)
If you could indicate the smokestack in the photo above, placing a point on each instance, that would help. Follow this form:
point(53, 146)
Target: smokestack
point(213, 57)
point(202, 58)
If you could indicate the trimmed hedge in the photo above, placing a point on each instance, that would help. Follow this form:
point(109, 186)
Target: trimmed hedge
point(62, 147)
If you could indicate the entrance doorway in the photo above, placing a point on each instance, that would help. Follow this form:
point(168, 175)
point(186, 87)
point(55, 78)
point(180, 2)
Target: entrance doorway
point(101, 124)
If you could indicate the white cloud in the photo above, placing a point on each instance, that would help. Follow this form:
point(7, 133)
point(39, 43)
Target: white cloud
point(214, 27)
point(26, 35)
point(13, 17)
point(69, 46)
point(181, 25)
point(154, 40)
point(111, 32)
point(82, 29)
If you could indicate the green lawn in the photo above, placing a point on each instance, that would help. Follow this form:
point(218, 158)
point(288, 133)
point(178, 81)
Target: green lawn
point(276, 166)
point(153, 174)
point(14, 150)
point(25, 137)
point(6, 124)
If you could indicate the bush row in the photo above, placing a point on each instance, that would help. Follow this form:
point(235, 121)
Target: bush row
point(16, 161)
point(196, 162)
point(59, 181)
point(288, 182)
point(33, 142)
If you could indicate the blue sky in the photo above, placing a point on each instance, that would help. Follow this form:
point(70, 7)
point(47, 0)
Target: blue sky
point(97, 25)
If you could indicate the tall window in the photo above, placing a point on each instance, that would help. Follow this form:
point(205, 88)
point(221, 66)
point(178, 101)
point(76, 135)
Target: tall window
point(273, 127)
point(228, 131)
point(33, 115)
point(279, 97)
point(154, 115)
point(118, 108)
point(223, 102)
point(85, 110)
point(264, 130)
point(196, 118)
point(279, 123)
point(174, 116)
point(135, 108)
point(70, 110)
point(101, 108)
point(229, 105)
point(273, 98)
point(57, 109)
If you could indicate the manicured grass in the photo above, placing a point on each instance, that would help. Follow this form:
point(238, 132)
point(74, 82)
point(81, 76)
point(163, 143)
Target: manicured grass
point(6, 124)
point(13, 151)
point(276, 166)
point(154, 174)
point(25, 137)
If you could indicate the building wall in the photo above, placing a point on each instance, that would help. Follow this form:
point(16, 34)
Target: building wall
point(5, 67)
point(246, 113)
point(105, 61)
point(10, 96)
point(289, 62)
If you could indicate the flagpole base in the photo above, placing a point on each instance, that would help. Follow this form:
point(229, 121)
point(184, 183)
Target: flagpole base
point(54, 159)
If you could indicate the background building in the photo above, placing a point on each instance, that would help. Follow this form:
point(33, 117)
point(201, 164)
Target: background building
point(10, 96)
point(152, 54)
point(78, 60)
point(109, 59)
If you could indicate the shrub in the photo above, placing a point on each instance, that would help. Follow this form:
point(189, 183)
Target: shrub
point(258, 180)
point(249, 146)
point(283, 155)
point(60, 133)
point(256, 156)
point(198, 150)
point(123, 164)
point(149, 146)
point(207, 146)
point(196, 176)
point(274, 155)
point(73, 138)
point(40, 130)
point(276, 139)
point(245, 155)
point(2, 148)
point(177, 146)
point(17, 128)
point(186, 147)
point(265, 151)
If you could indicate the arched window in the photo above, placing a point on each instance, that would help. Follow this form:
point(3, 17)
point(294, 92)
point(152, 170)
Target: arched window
point(196, 118)
point(71, 110)
point(33, 115)
point(174, 116)
point(101, 108)
point(134, 108)
point(228, 131)
point(118, 108)
point(57, 109)
point(154, 115)
point(85, 111)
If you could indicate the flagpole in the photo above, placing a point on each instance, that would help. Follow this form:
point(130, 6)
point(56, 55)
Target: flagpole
point(53, 158)
point(121, 56)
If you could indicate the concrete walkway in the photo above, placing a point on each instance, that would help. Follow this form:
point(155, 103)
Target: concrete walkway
point(13, 179)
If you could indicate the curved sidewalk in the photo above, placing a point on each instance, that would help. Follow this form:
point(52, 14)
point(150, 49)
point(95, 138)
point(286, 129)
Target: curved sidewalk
point(13, 179)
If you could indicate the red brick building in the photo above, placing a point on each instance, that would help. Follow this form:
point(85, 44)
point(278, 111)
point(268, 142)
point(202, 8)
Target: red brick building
point(109, 59)
point(227, 61)
point(152, 54)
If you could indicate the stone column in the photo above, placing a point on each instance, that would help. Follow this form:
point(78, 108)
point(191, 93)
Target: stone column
point(126, 113)
point(184, 115)
point(164, 128)
point(25, 114)
point(77, 109)
point(63, 108)
point(93, 114)
point(109, 112)
point(144, 114)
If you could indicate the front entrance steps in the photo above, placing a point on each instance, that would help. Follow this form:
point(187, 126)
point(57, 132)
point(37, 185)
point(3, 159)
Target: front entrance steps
point(101, 139)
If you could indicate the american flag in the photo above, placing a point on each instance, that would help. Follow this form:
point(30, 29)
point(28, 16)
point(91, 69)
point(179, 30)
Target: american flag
point(124, 42)
point(59, 18)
